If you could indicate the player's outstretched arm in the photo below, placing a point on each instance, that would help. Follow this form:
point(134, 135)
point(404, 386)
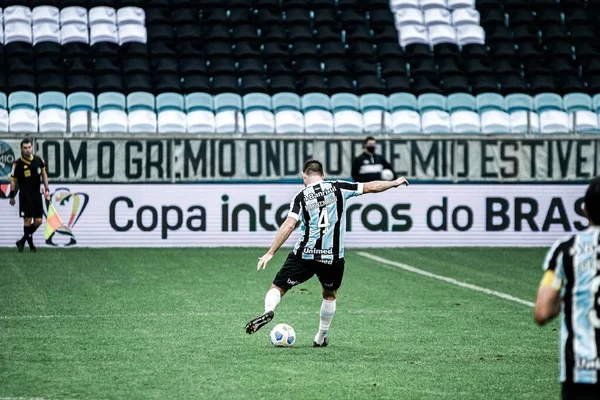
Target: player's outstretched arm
point(547, 305)
point(382, 186)
point(282, 235)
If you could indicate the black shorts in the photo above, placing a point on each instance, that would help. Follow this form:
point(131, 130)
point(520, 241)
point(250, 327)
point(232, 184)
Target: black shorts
point(580, 391)
point(296, 270)
point(30, 205)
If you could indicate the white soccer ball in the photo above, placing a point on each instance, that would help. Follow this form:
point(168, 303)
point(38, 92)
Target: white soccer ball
point(387, 175)
point(283, 335)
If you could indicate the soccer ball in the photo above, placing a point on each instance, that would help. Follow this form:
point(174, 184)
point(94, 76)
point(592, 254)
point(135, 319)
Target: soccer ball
point(387, 175)
point(283, 335)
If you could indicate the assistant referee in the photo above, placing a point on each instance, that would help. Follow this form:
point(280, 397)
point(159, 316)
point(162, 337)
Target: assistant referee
point(27, 172)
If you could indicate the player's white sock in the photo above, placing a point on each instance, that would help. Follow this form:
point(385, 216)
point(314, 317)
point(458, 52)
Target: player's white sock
point(272, 299)
point(327, 313)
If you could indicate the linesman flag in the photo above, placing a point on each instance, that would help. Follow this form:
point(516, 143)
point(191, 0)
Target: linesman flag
point(53, 221)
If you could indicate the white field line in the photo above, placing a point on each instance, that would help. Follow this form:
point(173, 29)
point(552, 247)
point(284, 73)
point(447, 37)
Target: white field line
point(476, 288)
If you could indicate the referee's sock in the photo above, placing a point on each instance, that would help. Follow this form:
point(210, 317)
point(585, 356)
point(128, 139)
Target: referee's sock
point(29, 231)
point(327, 312)
point(272, 299)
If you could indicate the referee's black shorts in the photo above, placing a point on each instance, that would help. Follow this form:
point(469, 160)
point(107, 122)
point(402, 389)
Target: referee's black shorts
point(580, 391)
point(295, 271)
point(30, 205)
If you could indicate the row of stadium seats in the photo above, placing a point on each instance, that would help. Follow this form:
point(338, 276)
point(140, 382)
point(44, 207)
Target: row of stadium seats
point(290, 113)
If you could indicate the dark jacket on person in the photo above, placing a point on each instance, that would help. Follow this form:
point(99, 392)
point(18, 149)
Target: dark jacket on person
point(367, 168)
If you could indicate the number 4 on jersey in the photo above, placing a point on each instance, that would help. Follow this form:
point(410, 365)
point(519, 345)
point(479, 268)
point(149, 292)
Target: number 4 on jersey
point(323, 220)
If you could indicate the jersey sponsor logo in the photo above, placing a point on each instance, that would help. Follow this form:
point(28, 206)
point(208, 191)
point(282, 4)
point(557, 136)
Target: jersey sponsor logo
point(328, 252)
point(313, 196)
point(7, 158)
point(584, 363)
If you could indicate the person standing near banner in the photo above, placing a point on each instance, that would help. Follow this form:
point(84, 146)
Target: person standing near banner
point(27, 172)
point(369, 167)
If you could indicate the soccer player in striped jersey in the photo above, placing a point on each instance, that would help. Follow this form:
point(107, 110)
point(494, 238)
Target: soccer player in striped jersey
point(571, 287)
point(321, 208)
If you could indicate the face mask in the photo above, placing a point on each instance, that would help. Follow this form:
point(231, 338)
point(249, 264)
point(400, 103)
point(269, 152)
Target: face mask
point(371, 149)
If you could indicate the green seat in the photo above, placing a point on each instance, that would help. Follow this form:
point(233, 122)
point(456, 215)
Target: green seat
point(489, 102)
point(577, 102)
point(81, 101)
point(373, 102)
point(403, 101)
point(344, 102)
point(228, 102)
point(48, 100)
point(22, 100)
point(431, 102)
point(169, 102)
point(315, 101)
point(548, 101)
point(461, 102)
point(519, 102)
point(111, 101)
point(286, 102)
point(198, 102)
point(256, 102)
point(140, 101)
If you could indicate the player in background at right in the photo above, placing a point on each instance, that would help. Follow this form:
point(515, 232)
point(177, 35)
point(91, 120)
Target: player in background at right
point(571, 287)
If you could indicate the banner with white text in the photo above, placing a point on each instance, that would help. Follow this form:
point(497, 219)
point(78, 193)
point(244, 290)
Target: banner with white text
point(249, 215)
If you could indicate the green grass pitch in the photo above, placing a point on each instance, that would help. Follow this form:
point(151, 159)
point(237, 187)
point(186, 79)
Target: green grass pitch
point(169, 324)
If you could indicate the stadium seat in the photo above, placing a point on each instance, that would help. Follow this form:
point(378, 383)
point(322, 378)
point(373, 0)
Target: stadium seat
point(520, 108)
point(46, 32)
point(200, 116)
point(52, 114)
point(17, 14)
point(132, 33)
point(17, 32)
point(140, 112)
point(171, 117)
point(317, 113)
point(346, 117)
point(492, 112)
point(288, 118)
point(409, 16)
point(465, 16)
point(22, 116)
point(74, 33)
point(434, 114)
point(102, 15)
point(3, 113)
point(111, 112)
point(581, 117)
point(74, 15)
point(463, 117)
point(376, 115)
point(228, 113)
point(553, 119)
point(258, 114)
point(103, 32)
point(82, 114)
point(131, 15)
point(405, 118)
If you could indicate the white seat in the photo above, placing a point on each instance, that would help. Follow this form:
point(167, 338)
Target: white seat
point(373, 121)
point(464, 121)
point(132, 33)
point(103, 33)
point(406, 121)
point(131, 15)
point(435, 121)
point(23, 120)
point(465, 16)
point(73, 15)
point(554, 121)
point(74, 33)
point(409, 16)
point(172, 121)
point(17, 32)
point(427, 4)
point(45, 14)
point(348, 121)
point(411, 34)
point(454, 4)
point(113, 121)
point(226, 122)
point(201, 121)
point(260, 121)
point(53, 120)
point(78, 121)
point(17, 14)
point(442, 34)
point(396, 5)
point(46, 32)
point(3, 120)
point(1, 34)
point(437, 16)
point(584, 121)
point(470, 34)
point(102, 15)
point(495, 121)
point(142, 121)
point(518, 122)
point(318, 121)
point(289, 121)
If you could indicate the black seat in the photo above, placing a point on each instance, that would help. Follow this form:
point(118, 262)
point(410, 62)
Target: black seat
point(307, 66)
point(105, 49)
point(282, 83)
point(362, 50)
point(311, 84)
point(536, 67)
point(133, 49)
point(368, 83)
point(352, 17)
point(266, 17)
point(381, 17)
point(364, 67)
point(107, 65)
point(483, 84)
point(225, 84)
point(393, 67)
point(245, 33)
point(506, 67)
point(78, 65)
point(109, 83)
point(136, 65)
point(424, 67)
point(499, 34)
point(474, 51)
point(47, 49)
point(388, 50)
point(385, 34)
point(553, 33)
point(328, 33)
point(548, 16)
point(297, 16)
point(417, 50)
point(522, 17)
point(163, 49)
point(278, 66)
point(180, 16)
point(218, 32)
point(446, 50)
point(254, 84)
point(332, 49)
point(304, 49)
point(192, 66)
point(164, 65)
point(582, 33)
point(578, 16)
point(212, 16)
point(585, 51)
point(358, 33)
point(160, 32)
point(217, 49)
point(72, 49)
point(298, 33)
point(503, 50)
point(221, 66)
point(397, 84)
point(450, 67)
point(513, 84)
point(593, 84)
point(571, 84)
point(189, 49)
point(246, 50)
point(80, 83)
point(273, 33)
point(339, 84)
point(455, 84)
point(275, 50)
point(250, 66)
point(525, 34)
point(423, 84)
point(476, 68)
point(240, 15)
point(196, 83)
point(542, 84)
point(530, 50)
point(162, 15)
point(326, 17)
point(559, 49)
point(336, 66)
point(20, 81)
point(138, 83)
